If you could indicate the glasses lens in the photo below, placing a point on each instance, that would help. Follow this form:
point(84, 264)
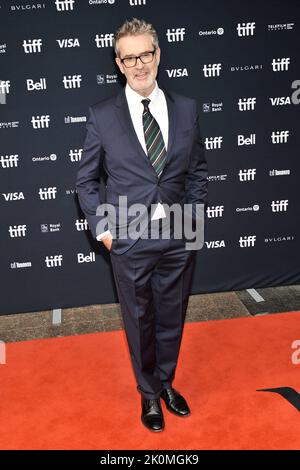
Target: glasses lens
point(147, 57)
point(130, 61)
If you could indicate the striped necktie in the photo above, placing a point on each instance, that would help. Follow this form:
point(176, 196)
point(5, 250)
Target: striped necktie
point(154, 140)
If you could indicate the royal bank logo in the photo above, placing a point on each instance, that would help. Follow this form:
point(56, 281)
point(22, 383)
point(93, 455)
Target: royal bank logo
point(281, 65)
point(175, 34)
point(104, 40)
point(50, 228)
point(106, 79)
point(32, 46)
point(64, 5)
point(212, 70)
point(212, 107)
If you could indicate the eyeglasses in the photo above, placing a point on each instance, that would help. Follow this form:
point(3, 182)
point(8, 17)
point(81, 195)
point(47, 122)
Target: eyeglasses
point(145, 58)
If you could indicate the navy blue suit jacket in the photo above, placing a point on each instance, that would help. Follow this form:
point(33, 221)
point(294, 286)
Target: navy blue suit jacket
point(112, 144)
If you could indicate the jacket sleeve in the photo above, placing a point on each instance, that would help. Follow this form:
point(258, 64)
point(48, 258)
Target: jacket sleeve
point(88, 177)
point(196, 182)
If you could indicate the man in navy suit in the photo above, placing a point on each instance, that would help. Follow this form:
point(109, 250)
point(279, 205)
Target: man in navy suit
point(147, 140)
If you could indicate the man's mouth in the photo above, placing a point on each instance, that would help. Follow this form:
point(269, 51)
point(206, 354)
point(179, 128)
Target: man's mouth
point(141, 76)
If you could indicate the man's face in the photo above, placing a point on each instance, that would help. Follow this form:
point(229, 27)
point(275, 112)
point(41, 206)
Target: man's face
point(141, 77)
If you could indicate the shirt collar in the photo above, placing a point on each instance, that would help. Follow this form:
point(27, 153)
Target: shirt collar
point(135, 98)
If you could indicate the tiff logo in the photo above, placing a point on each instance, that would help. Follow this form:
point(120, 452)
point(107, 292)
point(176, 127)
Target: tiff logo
point(247, 175)
point(104, 40)
point(175, 35)
point(246, 104)
point(245, 29)
point(247, 240)
point(134, 3)
point(9, 161)
point(280, 205)
point(2, 352)
point(4, 88)
point(280, 137)
point(47, 193)
point(64, 5)
point(17, 231)
point(81, 225)
point(32, 46)
point(40, 122)
point(72, 81)
point(53, 261)
point(213, 142)
point(212, 70)
point(215, 211)
point(75, 155)
point(280, 65)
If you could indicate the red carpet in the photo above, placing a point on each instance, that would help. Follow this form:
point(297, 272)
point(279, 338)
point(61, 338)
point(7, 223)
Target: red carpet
point(79, 392)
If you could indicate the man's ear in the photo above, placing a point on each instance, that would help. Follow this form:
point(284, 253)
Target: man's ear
point(157, 53)
point(120, 65)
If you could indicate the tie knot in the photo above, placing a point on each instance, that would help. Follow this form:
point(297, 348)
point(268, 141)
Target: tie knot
point(146, 103)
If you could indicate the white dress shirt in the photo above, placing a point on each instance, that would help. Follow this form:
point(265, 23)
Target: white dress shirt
point(159, 110)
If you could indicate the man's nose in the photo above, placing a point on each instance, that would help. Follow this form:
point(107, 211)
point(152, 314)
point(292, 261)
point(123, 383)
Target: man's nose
point(139, 63)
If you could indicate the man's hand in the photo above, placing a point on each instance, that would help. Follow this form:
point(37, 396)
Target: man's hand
point(107, 241)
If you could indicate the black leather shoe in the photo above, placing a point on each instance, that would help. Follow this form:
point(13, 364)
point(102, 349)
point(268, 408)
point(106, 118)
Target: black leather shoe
point(152, 415)
point(175, 402)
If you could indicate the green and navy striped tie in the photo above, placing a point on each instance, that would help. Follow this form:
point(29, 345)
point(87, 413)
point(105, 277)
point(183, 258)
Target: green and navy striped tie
point(154, 140)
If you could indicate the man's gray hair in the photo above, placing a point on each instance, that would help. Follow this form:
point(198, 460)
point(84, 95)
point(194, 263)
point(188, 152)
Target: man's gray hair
point(135, 27)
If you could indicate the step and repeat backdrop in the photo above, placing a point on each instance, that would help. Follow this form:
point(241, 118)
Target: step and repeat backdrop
point(240, 60)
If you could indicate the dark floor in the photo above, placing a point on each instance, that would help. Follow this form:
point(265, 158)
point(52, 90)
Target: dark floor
point(94, 318)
